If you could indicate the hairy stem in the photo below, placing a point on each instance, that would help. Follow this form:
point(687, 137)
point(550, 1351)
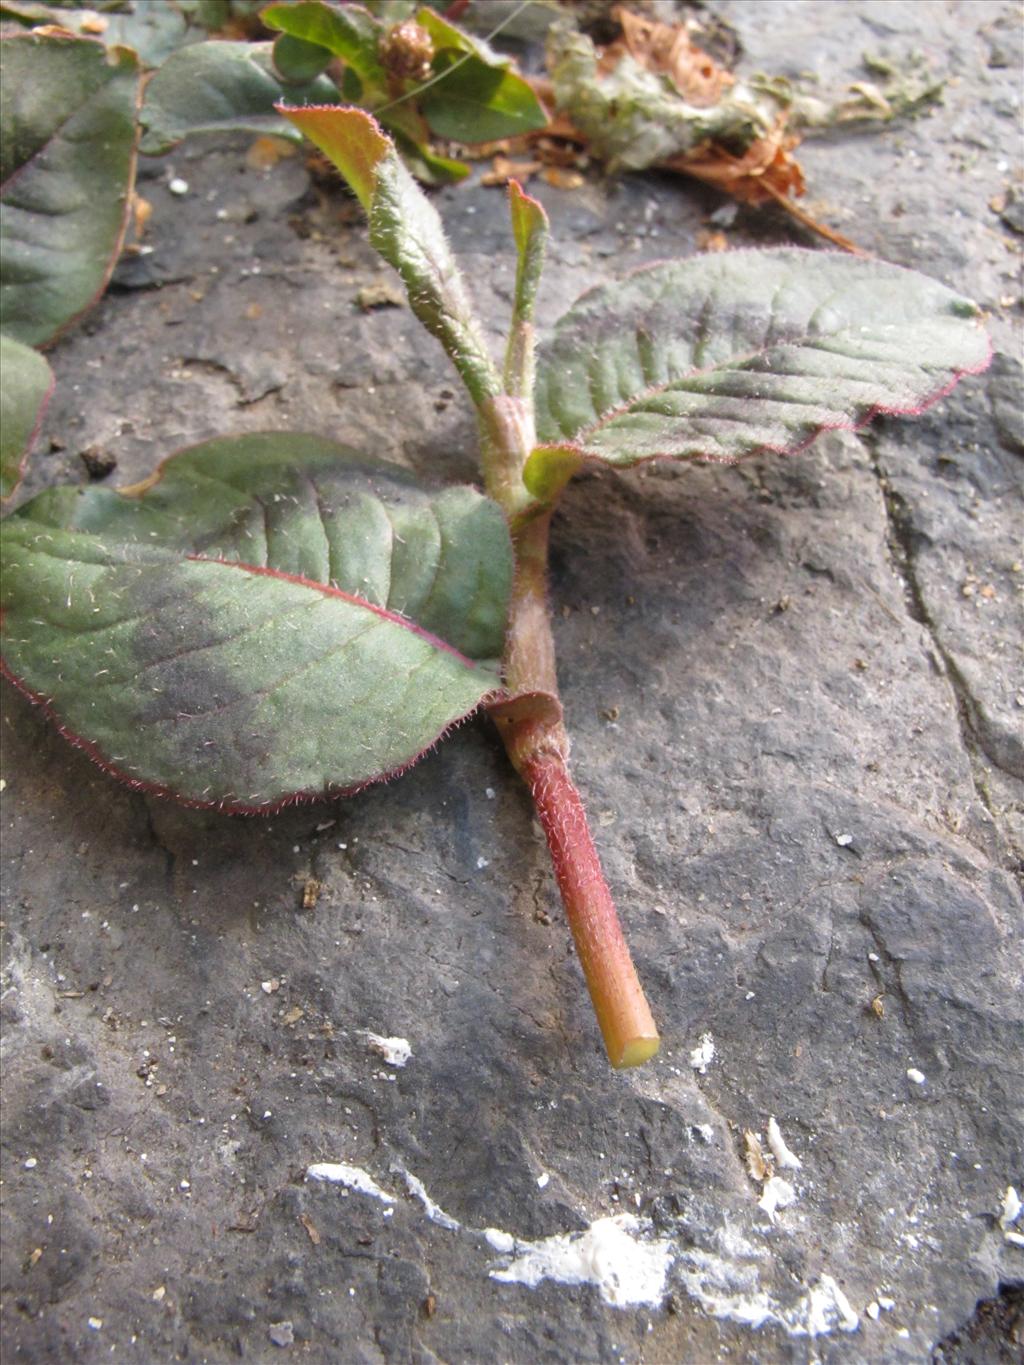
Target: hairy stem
point(537, 743)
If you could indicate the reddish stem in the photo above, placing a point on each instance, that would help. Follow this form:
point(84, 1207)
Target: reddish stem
point(630, 1036)
point(531, 726)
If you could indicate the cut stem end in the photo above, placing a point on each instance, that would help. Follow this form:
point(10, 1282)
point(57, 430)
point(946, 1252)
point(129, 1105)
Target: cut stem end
point(623, 1015)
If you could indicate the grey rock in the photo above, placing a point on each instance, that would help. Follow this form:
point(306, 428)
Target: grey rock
point(791, 658)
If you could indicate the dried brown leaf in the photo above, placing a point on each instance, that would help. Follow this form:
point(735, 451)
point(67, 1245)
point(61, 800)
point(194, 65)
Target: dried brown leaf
point(668, 50)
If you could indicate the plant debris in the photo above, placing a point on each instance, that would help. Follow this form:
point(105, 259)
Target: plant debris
point(655, 97)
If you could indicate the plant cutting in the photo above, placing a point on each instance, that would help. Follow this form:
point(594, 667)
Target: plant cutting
point(273, 618)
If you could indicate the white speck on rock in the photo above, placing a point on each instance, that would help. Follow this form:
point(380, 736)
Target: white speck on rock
point(395, 1051)
point(784, 1158)
point(844, 840)
point(873, 1310)
point(703, 1054)
point(542, 1180)
point(610, 1255)
point(352, 1177)
point(914, 1075)
point(177, 185)
point(778, 1194)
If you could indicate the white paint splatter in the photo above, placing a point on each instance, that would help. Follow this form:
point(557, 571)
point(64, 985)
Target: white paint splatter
point(434, 1212)
point(609, 1255)
point(727, 1288)
point(784, 1158)
point(1011, 1210)
point(630, 1267)
point(352, 1177)
point(778, 1194)
point(703, 1054)
point(395, 1051)
point(828, 1307)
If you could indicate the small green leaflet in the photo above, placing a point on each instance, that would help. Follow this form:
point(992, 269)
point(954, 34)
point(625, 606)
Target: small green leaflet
point(274, 617)
point(719, 357)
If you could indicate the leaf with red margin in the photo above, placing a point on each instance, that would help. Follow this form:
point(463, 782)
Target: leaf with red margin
point(275, 617)
point(720, 357)
point(67, 164)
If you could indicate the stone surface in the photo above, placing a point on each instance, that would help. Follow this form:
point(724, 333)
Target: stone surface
point(793, 688)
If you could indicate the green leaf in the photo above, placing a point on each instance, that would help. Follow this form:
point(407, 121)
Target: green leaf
point(297, 61)
point(723, 356)
point(67, 160)
point(26, 382)
point(477, 102)
point(220, 87)
point(406, 230)
point(274, 616)
point(350, 33)
point(530, 231)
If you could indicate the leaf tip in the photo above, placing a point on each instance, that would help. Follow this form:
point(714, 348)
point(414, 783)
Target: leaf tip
point(351, 138)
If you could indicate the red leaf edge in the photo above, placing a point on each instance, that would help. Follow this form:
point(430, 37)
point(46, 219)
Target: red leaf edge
point(228, 807)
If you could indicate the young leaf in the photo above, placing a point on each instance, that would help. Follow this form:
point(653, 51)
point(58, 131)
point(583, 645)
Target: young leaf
point(478, 98)
point(349, 33)
point(406, 229)
point(530, 231)
point(475, 101)
point(67, 159)
point(297, 61)
point(26, 382)
point(275, 616)
point(218, 87)
point(720, 357)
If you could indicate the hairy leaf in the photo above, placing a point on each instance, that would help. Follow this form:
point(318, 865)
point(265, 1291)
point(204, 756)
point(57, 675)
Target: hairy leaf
point(67, 155)
point(274, 616)
point(26, 383)
point(406, 229)
point(723, 356)
point(217, 87)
